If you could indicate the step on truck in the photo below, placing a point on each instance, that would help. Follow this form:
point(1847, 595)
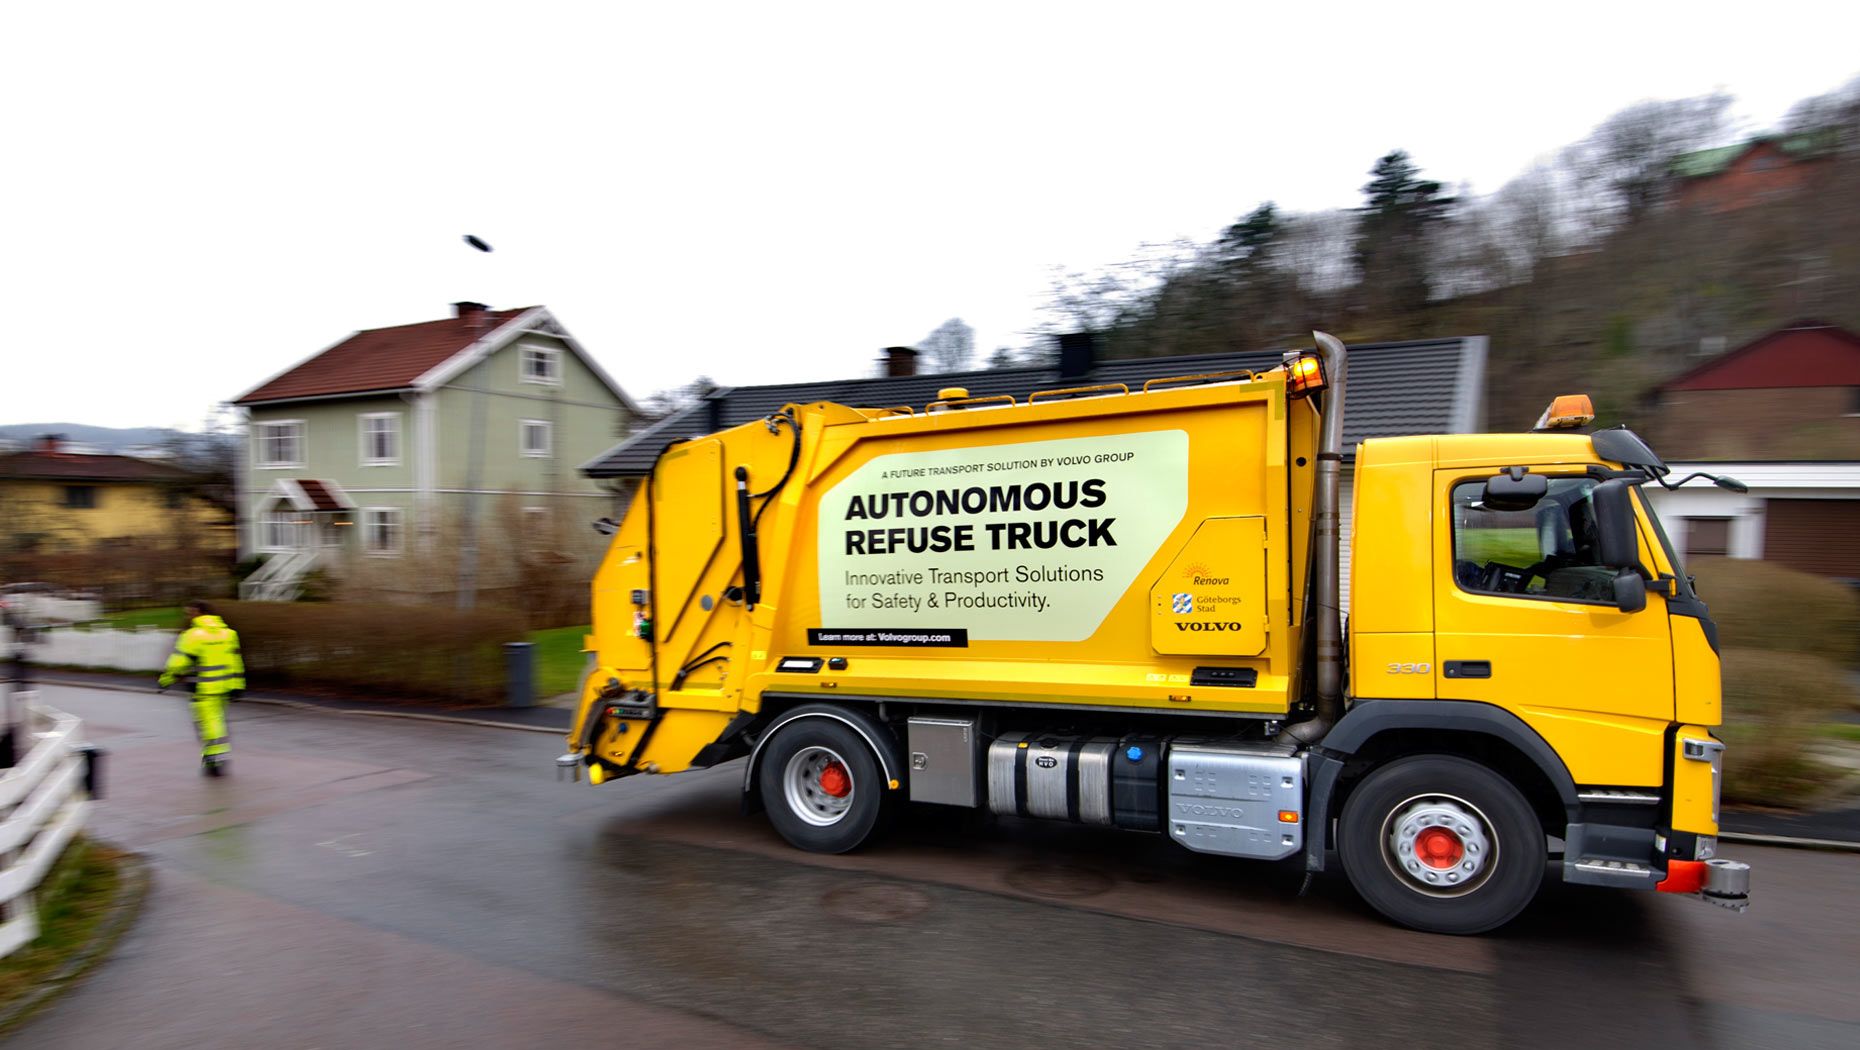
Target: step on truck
point(1121, 607)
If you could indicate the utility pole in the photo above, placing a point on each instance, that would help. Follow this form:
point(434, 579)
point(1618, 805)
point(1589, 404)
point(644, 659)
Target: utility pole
point(468, 545)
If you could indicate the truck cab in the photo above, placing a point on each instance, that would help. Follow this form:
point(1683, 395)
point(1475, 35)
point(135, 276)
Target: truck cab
point(1546, 630)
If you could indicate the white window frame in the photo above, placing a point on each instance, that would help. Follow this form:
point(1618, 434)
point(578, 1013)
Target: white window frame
point(394, 519)
point(362, 435)
point(261, 429)
point(291, 530)
point(552, 373)
point(546, 428)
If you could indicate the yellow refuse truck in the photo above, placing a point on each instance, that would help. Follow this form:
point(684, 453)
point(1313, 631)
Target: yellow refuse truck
point(1121, 607)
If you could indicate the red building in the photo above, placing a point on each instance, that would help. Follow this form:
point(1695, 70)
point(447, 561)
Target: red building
point(1754, 172)
point(1782, 414)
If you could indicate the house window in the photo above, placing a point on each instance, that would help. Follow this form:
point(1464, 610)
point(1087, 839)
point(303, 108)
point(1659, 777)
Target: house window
point(279, 527)
point(381, 527)
point(535, 438)
point(81, 497)
point(541, 365)
point(280, 444)
point(1708, 537)
point(380, 439)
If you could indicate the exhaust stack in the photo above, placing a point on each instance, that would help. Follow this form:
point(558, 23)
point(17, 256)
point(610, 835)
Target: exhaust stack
point(1325, 614)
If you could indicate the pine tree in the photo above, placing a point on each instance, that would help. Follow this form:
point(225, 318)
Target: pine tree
point(1400, 213)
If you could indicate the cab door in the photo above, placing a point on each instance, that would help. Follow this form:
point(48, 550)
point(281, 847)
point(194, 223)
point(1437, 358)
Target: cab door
point(1525, 617)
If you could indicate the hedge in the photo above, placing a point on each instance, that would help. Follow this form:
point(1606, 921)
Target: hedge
point(1759, 605)
point(364, 649)
point(1774, 702)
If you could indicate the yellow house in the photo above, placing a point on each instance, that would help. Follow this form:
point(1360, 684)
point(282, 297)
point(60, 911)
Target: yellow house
point(53, 500)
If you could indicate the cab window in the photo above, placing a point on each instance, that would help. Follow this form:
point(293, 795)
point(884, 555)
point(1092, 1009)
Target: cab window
point(1548, 551)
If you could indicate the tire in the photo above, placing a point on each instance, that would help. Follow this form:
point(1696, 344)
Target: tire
point(798, 782)
point(1442, 844)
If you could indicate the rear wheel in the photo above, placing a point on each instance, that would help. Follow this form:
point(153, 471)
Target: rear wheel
point(822, 786)
point(1442, 844)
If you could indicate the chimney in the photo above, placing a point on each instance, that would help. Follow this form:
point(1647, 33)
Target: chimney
point(52, 443)
point(900, 361)
point(1076, 355)
point(469, 312)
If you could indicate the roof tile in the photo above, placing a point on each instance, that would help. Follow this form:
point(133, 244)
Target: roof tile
point(1395, 389)
point(380, 358)
point(70, 466)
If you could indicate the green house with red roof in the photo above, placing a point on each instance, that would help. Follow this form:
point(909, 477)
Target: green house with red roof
point(404, 454)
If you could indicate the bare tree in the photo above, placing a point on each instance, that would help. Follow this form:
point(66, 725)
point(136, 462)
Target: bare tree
point(950, 348)
point(1625, 165)
point(1315, 249)
point(1837, 110)
point(670, 402)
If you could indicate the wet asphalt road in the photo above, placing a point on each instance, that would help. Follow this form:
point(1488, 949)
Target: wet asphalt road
point(367, 882)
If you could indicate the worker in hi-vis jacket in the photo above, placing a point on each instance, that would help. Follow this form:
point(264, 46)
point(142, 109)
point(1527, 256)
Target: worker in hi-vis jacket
point(208, 651)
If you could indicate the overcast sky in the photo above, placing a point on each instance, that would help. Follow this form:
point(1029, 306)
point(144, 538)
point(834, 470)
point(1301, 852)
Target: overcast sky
point(194, 197)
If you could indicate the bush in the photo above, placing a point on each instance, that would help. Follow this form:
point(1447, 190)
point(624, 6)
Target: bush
point(1762, 606)
point(361, 649)
point(1773, 702)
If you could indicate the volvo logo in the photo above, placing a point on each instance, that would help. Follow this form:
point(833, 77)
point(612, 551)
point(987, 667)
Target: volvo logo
point(1208, 625)
point(1202, 810)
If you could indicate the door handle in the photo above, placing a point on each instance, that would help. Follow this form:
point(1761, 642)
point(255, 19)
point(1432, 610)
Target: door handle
point(1468, 668)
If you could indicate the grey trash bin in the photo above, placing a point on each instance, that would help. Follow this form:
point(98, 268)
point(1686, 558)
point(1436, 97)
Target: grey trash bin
point(520, 669)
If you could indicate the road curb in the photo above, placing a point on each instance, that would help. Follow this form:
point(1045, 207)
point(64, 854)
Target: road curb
point(132, 893)
point(305, 705)
point(412, 716)
point(1789, 842)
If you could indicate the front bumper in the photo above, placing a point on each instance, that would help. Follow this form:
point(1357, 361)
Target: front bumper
point(1609, 854)
point(1725, 883)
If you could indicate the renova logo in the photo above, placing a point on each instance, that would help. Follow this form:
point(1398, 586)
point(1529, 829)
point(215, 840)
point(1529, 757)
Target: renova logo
point(1209, 625)
point(1183, 604)
point(1200, 575)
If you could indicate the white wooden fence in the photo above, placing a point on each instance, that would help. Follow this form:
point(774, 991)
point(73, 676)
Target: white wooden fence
point(42, 805)
point(118, 650)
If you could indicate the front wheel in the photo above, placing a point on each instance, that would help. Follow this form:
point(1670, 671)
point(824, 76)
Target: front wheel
point(822, 786)
point(1442, 844)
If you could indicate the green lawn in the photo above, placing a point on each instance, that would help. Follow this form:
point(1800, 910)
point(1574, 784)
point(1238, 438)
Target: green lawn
point(1841, 731)
point(559, 660)
point(167, 617)
point(74, 900)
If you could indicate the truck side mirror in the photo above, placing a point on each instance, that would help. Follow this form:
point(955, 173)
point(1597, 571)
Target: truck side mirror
point(1630, 591)
point(1513, 491)
point(1617, 541)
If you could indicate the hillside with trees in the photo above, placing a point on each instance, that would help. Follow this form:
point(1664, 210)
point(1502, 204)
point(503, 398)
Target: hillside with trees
point(1664, 236)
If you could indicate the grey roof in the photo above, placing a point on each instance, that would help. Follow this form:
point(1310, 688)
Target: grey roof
point(1427, 386)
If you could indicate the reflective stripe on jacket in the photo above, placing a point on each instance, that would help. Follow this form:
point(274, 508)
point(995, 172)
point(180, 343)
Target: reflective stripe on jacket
point(209, 649)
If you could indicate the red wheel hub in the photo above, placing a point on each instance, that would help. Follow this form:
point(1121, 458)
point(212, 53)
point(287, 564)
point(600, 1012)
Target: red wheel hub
point(1438, 848)
point(835, 781)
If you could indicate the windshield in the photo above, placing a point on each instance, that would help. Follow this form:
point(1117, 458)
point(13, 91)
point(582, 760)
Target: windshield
point(1666, 545)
